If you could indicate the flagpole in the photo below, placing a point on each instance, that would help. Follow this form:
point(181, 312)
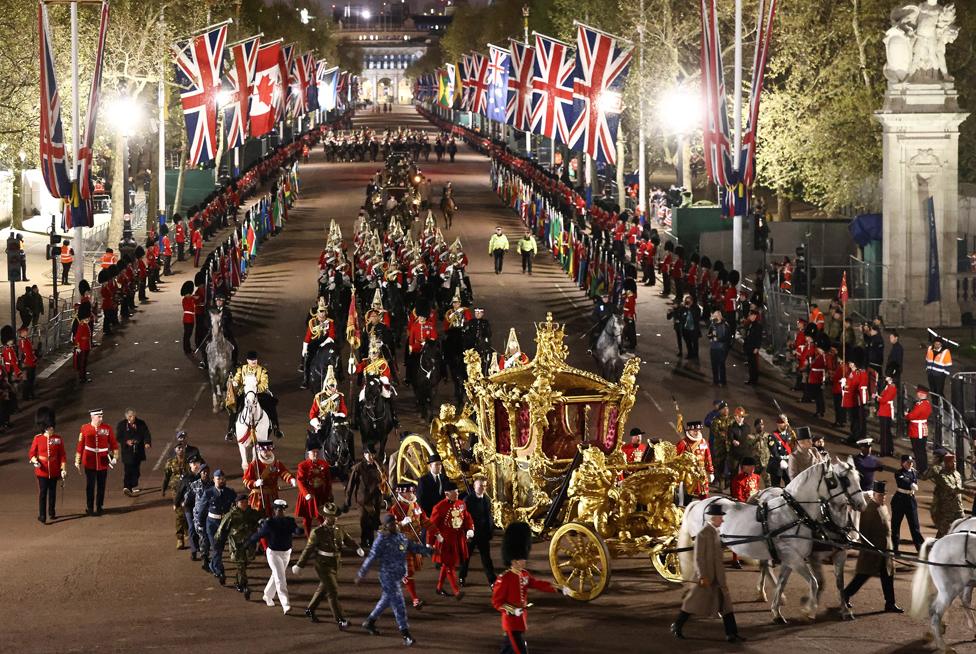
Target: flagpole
point(736, 218)
point(525, 33)
point(161, 107)
point(641, 133)
point(79, 237)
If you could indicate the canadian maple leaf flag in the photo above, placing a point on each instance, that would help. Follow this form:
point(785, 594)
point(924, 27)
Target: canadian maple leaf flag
point(266, 99)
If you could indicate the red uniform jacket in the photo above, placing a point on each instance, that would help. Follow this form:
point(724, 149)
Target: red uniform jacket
point(82, 337)
point(840, 372)
point(666, 264)
point(886, 401)
point(744, 485)
point(503, 360)
point(8, 356)
point(728, 299)
point(918, 419)
point(630, 306)
point(315, 479)
point(452, 521)
point(633, 234)
point(107, 291)
point(180, 233)
point(200, 300)
point(619, 230)
point(700, 449)
point(340, 409)
point(27, 352)
point(634, 453)
point(167, 247)
point(329, 330)
point(511, 592)
point(189, 309)
point(384, 368)
point(264, 496)
point(94, 446)
point(645, 253)
point(196, 239)
point(49, 454)
point(419, 334)
point(850, 392)
point(818, 368)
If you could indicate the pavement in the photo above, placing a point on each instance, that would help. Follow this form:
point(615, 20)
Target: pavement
point(117, 582)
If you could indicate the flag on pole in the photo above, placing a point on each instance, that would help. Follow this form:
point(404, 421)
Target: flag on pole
point(519, 101)
point(843, 294)
point(311, 83)
point(85, 150)
point(54, 164)
point(328, 78)
point(199, 64)
point(341, 90)
point(933, 287)
point(353, 336)
point(479, 83)
point(298, 79)
point(288, 82)
point(602, 63)
point(267, 94)
point(553, 72)
point(715, 128)
point(465, 67)
point(764, 30)
point(498, 83)
point(240, 75)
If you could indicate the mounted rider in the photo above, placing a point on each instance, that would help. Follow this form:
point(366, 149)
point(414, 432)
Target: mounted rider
point(235, 389)
point(328, 406)
point(457, 317)
point(477, 337)
point(514, 356)
point(320, 331)
point(375, 365)
point(420, 332)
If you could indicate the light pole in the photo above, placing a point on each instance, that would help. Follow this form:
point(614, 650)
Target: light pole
point(124, 114)
point(680, 113)
point(525, 35)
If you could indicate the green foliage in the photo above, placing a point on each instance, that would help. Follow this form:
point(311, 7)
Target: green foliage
point(474, 27)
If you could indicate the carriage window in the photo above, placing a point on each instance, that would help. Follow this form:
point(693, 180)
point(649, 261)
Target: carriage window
point(573, 423)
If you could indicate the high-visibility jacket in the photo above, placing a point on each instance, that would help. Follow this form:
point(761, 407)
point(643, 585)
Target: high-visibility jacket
point(67, 254)
point(938, 362)
point(108, 259)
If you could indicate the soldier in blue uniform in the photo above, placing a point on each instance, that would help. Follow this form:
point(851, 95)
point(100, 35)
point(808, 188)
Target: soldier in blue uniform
point(217, 500)
point(390, 550)
point(904, 506)
point(866, 464)
point(193, 503)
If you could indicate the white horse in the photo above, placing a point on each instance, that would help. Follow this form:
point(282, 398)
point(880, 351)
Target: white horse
point(252, 425)
point(783, 523)
point(953, 573)
point(219, 352)
point(607, 350)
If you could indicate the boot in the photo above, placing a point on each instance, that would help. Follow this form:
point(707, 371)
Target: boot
point(370, 627)
point(343, 624)
point(676, 631)
point(247, 594)
point(310, 612)
point(408, 640)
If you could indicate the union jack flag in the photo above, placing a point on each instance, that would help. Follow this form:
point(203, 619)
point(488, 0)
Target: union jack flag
point(299, 84)
point(553, 70)
point(85, 151)
point(497, 83)
point(199, 64)
point(240, 75)
point(602, 63)
point(715, 130)
point(519, 85)
point(311, 84)
point(54, 166)
point(465, 68)
point(747, 159)
point(288, 79)
point(479, 83)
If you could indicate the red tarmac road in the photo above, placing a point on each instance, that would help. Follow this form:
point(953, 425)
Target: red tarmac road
point(117, 583)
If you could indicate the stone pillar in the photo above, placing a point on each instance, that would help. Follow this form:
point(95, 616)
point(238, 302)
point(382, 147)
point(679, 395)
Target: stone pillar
point(920, 132)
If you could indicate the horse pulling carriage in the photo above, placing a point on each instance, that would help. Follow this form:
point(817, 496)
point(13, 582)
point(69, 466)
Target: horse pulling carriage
point(547, 437)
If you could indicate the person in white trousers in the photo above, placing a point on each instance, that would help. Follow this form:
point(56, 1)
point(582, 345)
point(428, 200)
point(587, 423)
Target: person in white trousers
point(277, 531)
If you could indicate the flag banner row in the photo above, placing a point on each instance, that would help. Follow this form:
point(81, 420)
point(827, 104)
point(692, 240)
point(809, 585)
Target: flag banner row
point(547, 87)
point(259, 85)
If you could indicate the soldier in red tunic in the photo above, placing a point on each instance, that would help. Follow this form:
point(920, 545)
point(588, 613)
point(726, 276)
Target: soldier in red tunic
point(97, 451)
point(50, 463)
point(918, 426)
point(744, 485)
point(694, 443)
point(28, 361)
point(314, 488)
point(413, 521)
point(262, 477)
point(82, 341)
point(8, 354)
point(189, 315)
point(510, 593)
point(450, 529)
point(420, 332)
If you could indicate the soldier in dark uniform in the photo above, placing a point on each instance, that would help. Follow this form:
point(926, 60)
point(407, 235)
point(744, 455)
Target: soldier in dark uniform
point(904, 505)
point(194, 465)
point(191, 450)
point(217, 501)
point(779, 459)
point(192, 505)
point(867, 464)
point(477, 336)
point(237, 526)
point(324, 548)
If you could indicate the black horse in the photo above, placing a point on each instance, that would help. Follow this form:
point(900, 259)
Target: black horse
point(429, 373)
point(454, 358)
point(325, 355)
point(335, 441)
point(374, 417)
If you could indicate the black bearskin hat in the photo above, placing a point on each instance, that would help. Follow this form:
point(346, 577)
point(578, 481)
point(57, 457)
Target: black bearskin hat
point(44, 418)
point(734, 277)
point(187, 288)
point(516, 543)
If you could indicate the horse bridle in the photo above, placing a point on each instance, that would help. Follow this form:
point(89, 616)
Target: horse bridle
point(833, 482)
point(246, 408)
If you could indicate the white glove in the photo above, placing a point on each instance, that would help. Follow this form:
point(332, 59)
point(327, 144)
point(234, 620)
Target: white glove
point(711, 478)
point(385, 380)
point(470, 534)
point(914, 487)
point(304, 348)
point(784, 464)
point(440, 539)
point(78, 467)
point(352, 365)
point(308, 496)
point(259, 483)
point(36, 464)
point(843, 382)
point(405, 521)
point(518, 612)
point(294, 482)
point(566, 590)
point(296, 569)
point(316, 424)
point(360, 552)
point(64, 474)
point(329, 340)
point(111, 461)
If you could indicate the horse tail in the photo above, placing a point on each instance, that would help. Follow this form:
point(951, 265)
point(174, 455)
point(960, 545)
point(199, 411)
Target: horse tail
point(922, 587)
point(686, 557)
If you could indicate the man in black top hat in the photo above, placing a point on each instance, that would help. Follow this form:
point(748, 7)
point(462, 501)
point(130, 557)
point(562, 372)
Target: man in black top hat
point(430, 488)
point(875, 529)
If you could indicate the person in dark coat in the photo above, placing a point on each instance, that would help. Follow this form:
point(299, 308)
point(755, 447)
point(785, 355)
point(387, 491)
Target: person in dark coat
point(134, 440)
point(430, 488)
point(875, 528)
point(751, 345)
point(479, 506)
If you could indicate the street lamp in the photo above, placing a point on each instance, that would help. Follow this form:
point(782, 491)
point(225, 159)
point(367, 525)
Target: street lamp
point(679, 111)
point(124, 114)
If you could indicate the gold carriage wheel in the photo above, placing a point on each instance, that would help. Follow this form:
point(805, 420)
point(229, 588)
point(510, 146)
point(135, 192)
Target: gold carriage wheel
point(667, 564)
point(411, 459)
point(580, 560)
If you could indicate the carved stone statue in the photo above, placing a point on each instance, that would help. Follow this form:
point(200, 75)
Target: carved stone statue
point(916, 42)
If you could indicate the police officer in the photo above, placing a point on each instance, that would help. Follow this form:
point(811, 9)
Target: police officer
point(217, 501)
point(904, 505)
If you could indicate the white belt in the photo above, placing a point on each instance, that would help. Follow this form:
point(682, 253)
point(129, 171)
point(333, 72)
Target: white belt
point(96, 449)
point(188, 312)
point(215, 516)
point(325, 553)
point(919, 422)
point(816, 369)
point(906, 492)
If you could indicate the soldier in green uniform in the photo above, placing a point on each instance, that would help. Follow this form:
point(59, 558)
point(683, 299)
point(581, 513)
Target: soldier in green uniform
point(237, 526)
point(324, 547)
point(719, 437)
point(760, 449)
point(947, 493)
point(176, 467)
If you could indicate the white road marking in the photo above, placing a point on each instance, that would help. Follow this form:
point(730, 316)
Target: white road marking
point(56, 365)
point(653, 401)
point(179, 427)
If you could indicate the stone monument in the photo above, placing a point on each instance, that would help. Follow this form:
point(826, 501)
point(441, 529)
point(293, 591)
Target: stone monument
point(920, 130)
